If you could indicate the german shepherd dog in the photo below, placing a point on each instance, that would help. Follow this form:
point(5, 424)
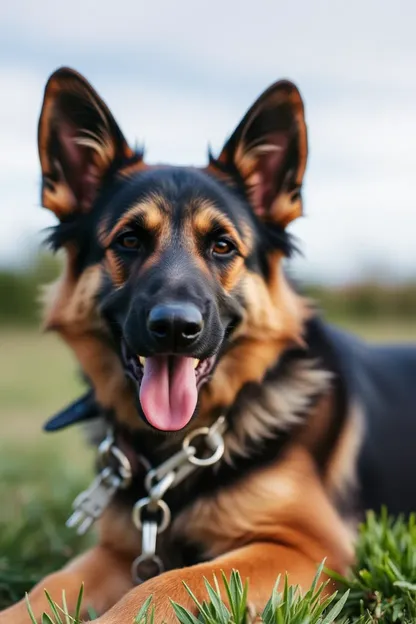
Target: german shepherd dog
point(176, 305)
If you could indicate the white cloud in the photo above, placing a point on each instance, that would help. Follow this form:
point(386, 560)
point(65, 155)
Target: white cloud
point(328, 38)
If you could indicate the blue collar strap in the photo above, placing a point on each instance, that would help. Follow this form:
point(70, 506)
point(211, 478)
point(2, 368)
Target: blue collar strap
point(83, 409)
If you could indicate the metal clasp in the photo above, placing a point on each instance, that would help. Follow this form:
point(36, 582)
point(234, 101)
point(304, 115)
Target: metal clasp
point(90, 504)
point(149, 564)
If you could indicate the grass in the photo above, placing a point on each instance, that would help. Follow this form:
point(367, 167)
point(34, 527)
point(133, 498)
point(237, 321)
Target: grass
point(37, 376)
point(40, 474)
point(383, 582)
point(380, 590)
point(390, 330)
point(283, 606)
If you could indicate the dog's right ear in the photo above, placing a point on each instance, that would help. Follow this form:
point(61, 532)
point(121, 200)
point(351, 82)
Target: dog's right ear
point(79, 141)
point(268, 151)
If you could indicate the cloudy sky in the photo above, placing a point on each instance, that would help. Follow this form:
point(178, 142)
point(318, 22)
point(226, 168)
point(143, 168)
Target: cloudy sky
point(179, 74)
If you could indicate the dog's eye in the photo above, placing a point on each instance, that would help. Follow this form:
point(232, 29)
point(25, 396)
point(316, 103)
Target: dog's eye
point(128, 241)
point(222, 247)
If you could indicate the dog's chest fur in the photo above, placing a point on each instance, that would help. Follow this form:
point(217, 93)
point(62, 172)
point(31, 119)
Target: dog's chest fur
point(266, 477)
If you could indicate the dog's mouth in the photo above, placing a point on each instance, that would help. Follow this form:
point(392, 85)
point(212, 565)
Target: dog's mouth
point(167, 386)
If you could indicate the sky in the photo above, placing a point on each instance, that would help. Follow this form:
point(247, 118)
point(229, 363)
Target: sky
point(179, 75)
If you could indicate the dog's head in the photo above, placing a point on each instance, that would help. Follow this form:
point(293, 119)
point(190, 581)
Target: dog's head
point(186, 261)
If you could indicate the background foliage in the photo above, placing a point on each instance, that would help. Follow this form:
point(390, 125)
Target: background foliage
point(364, 301)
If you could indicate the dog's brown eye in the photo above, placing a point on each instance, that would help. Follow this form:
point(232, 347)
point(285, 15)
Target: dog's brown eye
point(128, 241)
point(222, 247)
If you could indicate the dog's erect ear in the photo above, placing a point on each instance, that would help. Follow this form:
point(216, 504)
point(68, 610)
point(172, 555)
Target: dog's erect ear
point(268, 150)
point(79, 140)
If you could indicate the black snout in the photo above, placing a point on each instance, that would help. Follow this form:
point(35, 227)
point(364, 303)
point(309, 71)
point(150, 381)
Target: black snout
point(175, 325)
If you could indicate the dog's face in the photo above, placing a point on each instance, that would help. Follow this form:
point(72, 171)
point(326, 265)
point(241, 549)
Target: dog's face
point(179, 250)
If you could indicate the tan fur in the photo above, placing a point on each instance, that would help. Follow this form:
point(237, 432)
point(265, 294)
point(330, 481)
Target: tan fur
point(131, 170)
point(260, 562)
point(117, 532)
point(115, 268)
point(274, 320)
point(71, 311)
point(104, 573)
point(201, 216)
point(205, 214)
point(285, 503)
point(342, 469)
point(70, 301)
point(283, 403)
point(151, 210)
point(274, 310)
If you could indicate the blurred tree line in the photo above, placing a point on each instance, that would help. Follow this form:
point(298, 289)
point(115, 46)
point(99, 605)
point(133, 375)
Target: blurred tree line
point(19, 296)
point(367, 300)
point(20, 290)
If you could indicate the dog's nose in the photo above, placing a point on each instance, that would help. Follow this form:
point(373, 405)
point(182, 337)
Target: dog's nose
point(175, 325)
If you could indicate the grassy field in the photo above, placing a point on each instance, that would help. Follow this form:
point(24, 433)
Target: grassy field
point(38, 376)
point(41, 471)
point(38, 471)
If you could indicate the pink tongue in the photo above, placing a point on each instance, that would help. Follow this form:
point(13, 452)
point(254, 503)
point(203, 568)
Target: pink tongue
point(168, 397)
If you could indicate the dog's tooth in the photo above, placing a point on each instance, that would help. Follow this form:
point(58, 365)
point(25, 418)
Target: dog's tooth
point(196, 362)
point(142, 360)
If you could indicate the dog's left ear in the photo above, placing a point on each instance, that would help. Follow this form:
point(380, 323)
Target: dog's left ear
point(268, 151)
point(79, 144)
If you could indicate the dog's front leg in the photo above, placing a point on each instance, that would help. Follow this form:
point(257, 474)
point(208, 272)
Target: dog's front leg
point(261, 563)
point(106, 576)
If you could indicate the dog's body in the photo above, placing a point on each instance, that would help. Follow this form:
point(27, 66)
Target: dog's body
point(167, 265)
point(382, 378)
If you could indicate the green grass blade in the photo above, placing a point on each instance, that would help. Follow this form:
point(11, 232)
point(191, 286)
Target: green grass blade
point(29, 609)
point(184, 616)
point(201, 607)
point(92, 614)
point(317, 577)
point(141, 617)
point(53, 607)
point(65, 608)
point(336, 609)
point(78, 607)
point(339, 578)
point(152, 615)
point(406, 585)
point(226, 584)
point(244, 602)
point(222, 614)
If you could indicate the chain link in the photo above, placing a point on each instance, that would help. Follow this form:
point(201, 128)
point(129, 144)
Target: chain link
point(157, 482)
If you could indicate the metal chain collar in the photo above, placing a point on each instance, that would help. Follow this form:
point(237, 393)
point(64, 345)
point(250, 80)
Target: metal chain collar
point(116, 474)
point(151, 515)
